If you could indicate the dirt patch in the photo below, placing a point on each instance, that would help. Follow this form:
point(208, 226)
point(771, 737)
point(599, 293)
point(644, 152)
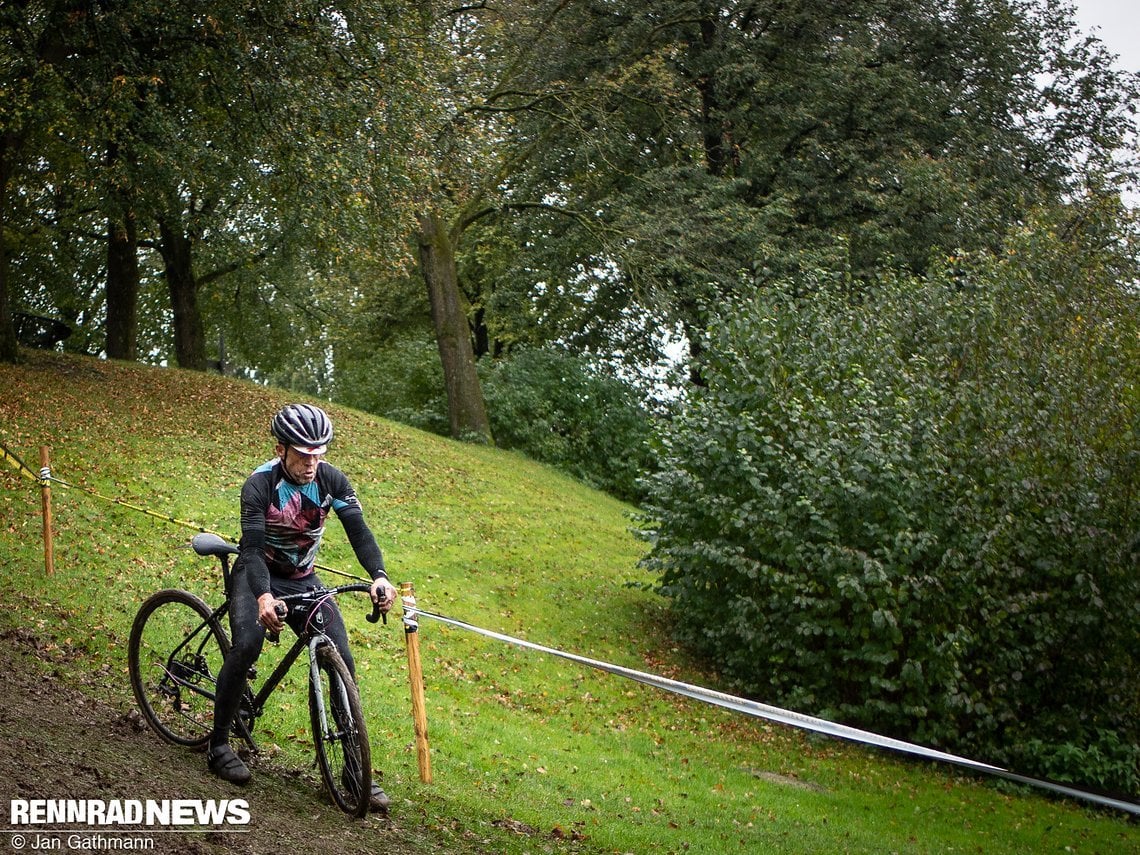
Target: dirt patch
point(68, 743)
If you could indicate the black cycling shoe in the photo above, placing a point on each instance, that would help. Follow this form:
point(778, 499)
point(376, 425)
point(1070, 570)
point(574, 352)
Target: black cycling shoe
point(225, 763)
point(378, 800)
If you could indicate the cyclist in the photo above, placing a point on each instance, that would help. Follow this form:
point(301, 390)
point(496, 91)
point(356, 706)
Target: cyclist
point(284, 504)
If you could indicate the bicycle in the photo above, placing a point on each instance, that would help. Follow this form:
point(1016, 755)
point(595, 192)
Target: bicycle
point(177, 646)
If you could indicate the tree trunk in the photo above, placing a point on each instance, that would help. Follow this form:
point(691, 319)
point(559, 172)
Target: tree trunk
point(466, 410)
point(122, 288)
point(189, 336)
point(716, 136)
point(9, 346)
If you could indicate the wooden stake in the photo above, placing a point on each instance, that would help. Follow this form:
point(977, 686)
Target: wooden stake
point(45, 501)
point(416, 681)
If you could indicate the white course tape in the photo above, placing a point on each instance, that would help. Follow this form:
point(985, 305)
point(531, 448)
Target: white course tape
point(792, 718)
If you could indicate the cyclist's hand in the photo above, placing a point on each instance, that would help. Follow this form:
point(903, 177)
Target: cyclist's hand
point(383, 594)
point(269, 613)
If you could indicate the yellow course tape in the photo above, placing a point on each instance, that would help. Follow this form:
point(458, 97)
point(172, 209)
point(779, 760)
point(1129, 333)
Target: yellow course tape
point(140, 509)
point(44, 478)
point(18, 463)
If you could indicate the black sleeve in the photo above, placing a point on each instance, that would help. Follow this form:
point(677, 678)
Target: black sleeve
point(363, 543)
point(255, 500)
point(351, 516)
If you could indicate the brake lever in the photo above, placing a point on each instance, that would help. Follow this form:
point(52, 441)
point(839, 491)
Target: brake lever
point(282, 610)
point(377, 614)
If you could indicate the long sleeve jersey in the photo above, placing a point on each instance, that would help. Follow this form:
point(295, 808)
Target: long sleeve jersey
point(282, 524)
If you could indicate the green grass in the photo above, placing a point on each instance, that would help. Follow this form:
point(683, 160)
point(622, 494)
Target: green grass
point(530, 753)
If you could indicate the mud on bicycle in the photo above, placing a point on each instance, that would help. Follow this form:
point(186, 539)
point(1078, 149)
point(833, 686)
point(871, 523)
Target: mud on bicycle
point(176, 649)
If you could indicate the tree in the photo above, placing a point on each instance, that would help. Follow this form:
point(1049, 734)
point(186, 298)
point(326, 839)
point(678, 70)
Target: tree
point(467, 412)
point(216, 135)
point(34, 96)
point(516, 96)
point(122, 286)
point(515, 90)
point(466, 64)
point(271, 157)
point(845, 136)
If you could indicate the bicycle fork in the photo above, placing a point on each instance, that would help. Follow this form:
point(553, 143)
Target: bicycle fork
point(330, 727)
point(339, 731)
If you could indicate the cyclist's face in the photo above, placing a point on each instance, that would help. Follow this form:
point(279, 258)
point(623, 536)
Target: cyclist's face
point(301, 468)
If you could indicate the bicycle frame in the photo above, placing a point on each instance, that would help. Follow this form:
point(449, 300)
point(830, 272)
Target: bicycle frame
point(308, 639)
point(256, 701)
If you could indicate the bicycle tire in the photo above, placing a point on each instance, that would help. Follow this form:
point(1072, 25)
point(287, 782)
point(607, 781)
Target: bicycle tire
point(174, 654)
point(343, 752)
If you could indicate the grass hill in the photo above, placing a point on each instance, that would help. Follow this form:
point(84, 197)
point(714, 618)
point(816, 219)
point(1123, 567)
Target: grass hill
point(530, 753)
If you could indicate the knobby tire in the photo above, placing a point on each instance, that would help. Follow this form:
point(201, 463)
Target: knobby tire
point(174, 683)
point(341, 740)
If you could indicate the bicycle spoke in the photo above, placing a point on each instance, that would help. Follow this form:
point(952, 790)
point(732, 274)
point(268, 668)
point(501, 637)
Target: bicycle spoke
point(174, 657)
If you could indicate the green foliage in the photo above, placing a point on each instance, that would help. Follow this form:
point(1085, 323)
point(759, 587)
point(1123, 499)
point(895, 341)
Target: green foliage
point(556, 408)
point(1104, 760)
point(251, 132)
point(400, 379)
point(565, 411)
point(798, 136)
point(910, 509)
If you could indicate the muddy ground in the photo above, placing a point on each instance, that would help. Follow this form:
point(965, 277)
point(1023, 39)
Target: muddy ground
point(67, 742)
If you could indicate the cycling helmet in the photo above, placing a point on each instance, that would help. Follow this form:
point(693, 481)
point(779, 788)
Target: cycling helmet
point(303, 427)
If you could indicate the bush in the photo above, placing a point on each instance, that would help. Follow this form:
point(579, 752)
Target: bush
point(563, 410)
point(402, 380)
point(910, 509)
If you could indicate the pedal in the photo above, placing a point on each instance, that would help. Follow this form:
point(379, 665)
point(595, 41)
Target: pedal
point(242, 728)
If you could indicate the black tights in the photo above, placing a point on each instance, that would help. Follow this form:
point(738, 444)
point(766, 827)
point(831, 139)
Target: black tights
point(248, 636)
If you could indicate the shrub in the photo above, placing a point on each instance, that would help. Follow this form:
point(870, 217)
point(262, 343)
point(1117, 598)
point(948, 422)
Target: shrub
point(401, 380)
point(564, 410)
point(909, 509)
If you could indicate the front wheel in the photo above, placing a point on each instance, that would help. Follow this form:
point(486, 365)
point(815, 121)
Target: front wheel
point(339, 732)
point(175, 652)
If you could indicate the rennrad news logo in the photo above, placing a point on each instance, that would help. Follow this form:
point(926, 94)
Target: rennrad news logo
point(118, 813)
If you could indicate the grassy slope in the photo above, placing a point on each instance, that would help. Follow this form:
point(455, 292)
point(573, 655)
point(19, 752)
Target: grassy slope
point(529, 753)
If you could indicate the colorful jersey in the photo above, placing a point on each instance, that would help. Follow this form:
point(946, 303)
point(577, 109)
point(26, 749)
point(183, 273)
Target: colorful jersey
point(282, 523)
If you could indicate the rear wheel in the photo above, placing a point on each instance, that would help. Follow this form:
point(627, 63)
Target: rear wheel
point(339, 733)
point(174, 656)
